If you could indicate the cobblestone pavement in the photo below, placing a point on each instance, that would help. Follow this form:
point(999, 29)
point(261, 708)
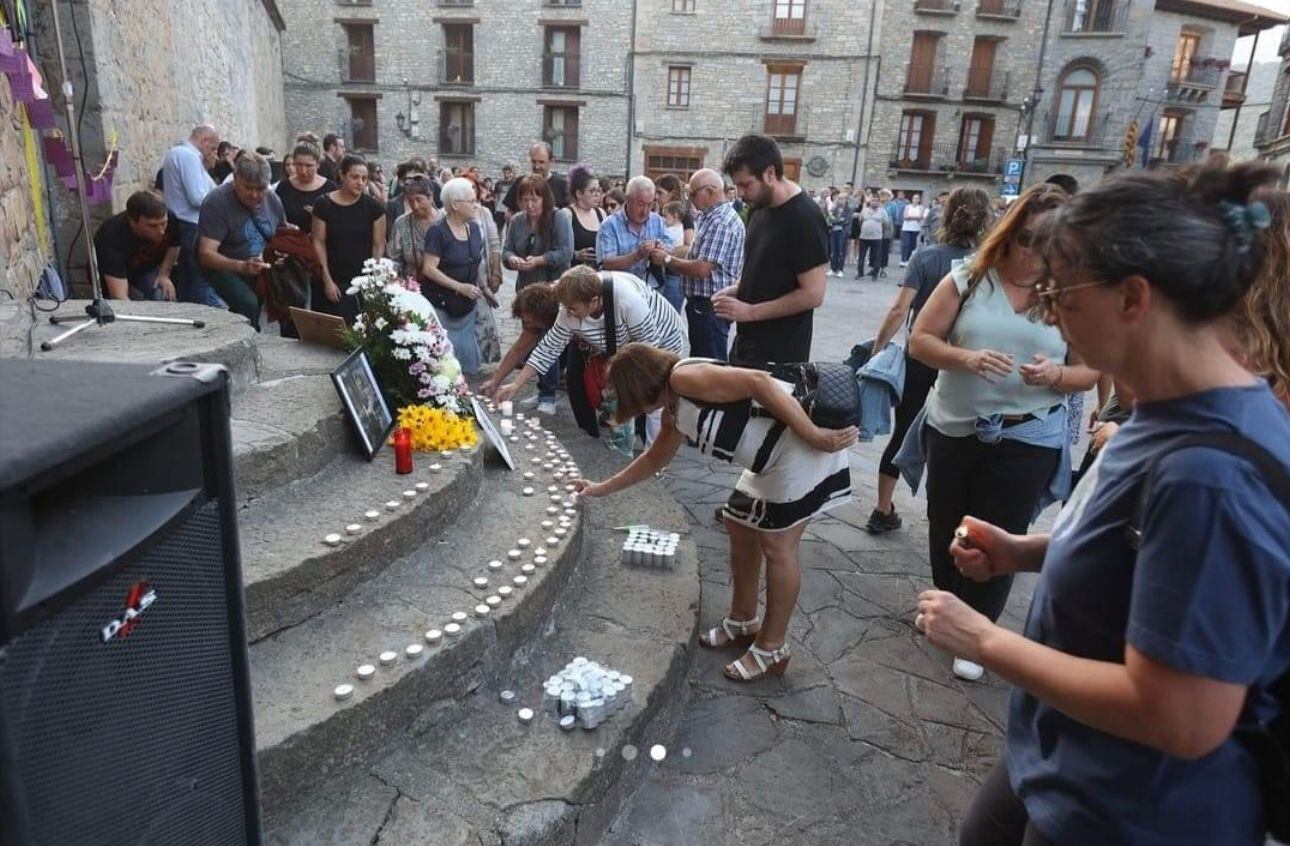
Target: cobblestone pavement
point(868, 738)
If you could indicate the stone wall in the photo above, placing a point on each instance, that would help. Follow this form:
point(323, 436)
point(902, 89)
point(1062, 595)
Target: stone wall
point(507, 92)
point(155, 69)
point(20, 255)
point(728, 54)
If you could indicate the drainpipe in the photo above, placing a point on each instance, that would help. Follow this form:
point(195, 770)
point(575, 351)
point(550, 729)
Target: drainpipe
point(631, 94)
point(1249, 67)
point(864, 95)
point(1038, 91)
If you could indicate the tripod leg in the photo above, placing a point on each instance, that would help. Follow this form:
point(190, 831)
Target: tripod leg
point(174, 321)
point(77, 329)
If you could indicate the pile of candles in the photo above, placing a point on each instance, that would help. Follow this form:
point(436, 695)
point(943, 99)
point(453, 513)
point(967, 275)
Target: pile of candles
point(646, 547)
point(585, 693)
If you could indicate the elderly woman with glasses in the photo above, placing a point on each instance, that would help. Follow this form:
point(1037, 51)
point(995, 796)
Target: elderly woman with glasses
point(1146, 682)
point(454, 248)
point(408, 234)
point(994, 430)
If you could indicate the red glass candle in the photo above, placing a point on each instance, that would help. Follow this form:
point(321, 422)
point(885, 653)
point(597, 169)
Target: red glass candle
point(402, 451)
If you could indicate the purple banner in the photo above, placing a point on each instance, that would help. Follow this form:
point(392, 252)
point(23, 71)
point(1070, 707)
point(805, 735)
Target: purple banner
point(58, 156)
point(15, 61)
point(40, 113)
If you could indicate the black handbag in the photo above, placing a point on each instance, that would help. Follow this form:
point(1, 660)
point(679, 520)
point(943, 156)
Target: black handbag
point(827, 390)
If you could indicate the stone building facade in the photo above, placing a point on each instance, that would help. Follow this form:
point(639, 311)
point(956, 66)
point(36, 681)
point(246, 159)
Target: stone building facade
point(1162, 65)
point(146, 71)
point(707, 72)
point(954, 76)
point(21, 255)
point(1272, 136)
point(465, 81)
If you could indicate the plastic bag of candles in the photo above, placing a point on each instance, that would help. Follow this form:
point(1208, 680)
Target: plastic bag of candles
point(587, 692)
point(646, 547)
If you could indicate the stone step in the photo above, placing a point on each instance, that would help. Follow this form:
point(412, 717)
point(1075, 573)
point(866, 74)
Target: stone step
point(287, 429)
point(468, 772)
point(291, 575)
point(305, 734)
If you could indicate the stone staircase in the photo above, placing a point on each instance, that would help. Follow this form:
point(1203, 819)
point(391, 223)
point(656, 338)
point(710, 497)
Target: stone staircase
point(423, 752)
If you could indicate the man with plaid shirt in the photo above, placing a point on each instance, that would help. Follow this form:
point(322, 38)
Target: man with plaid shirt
point(713, 262)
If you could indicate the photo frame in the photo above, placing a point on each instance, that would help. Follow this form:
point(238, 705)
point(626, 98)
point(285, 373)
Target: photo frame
point(490, 432)
point(364, 403)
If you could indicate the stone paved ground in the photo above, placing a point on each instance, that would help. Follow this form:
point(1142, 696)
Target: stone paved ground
point(868, 739)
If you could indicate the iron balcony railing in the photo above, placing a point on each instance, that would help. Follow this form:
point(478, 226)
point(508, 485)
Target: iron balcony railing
point(785, 126)
point(1201, 72)
point(1081, 130)
point(937, 7)
point(560, 70)
point(986, 84)
point(927, 81)
point(456, 67)
point(1095, 17)
point(947, 159)
point(1007, 9)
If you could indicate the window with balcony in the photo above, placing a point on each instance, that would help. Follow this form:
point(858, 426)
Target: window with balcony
point(1009, 9)
point(782, 85)
point(678, 87)
point(924, 77)
point(362, 123)
point(976, 139)
point(682, 161)
point(1092, 17)
point(983, 81)
point(360, 44)
point(914, 143)
point(560, 130)
point(1077, 94)
point(458, 54)
point(1188, 46)
point(456, 128)
point(937, 7)
point(560, 58)
point(684, 7)
point(789, 17)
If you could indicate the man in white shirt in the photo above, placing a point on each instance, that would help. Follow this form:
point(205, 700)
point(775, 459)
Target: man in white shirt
point(187, 183)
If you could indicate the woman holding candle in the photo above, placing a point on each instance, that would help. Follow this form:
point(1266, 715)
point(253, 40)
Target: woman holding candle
point(1145, 669)
point(793, 470)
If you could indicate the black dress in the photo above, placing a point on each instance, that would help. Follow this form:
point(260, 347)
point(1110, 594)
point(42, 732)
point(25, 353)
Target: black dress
point(349, 244)
point(584, 238)
point(299, 204)
point(575, 357)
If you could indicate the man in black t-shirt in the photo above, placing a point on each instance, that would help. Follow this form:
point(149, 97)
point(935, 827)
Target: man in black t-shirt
point(786, 254)
point(138, 249)
point(333, 152)
point(540, 161)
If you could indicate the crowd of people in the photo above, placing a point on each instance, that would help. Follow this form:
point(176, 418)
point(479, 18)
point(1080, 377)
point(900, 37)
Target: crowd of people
point(1157, 643)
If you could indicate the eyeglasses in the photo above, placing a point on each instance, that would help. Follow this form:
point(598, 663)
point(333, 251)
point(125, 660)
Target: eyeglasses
point(611, 206)
point(1053, 297)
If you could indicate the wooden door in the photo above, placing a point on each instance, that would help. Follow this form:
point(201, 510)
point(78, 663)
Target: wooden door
point(922, 63)
point(362, 52)
point(459, 41)
point(981, 67)
point(793, 168)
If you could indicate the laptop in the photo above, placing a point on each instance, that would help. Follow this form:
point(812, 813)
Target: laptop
point(318, 328)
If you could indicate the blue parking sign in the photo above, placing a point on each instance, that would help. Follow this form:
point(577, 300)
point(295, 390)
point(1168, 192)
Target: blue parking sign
point(1013, 167)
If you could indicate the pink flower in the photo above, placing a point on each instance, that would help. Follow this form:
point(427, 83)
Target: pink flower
point(412, 285)
point(425, 393)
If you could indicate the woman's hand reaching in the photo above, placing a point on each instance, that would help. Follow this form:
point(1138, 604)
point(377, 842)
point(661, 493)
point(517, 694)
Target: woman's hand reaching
point(834, 440)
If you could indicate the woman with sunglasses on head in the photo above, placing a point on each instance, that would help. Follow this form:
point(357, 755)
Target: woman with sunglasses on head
point(1144, 671)
point(614, 199)
point(994, 428)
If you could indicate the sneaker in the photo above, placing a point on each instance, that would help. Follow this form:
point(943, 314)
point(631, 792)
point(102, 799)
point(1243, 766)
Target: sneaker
point(904, 264)
point(883, 273)
point(546, 406)
point(967, 670)
point(880, 524)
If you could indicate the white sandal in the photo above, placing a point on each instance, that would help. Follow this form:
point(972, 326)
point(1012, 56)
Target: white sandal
point(731, 633)
point(769, 663)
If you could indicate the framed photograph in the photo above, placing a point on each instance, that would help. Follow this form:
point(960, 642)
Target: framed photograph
point(490, 432)
point(364, 403)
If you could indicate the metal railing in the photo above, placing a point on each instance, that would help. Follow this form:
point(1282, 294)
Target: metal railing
point(986, 84)
point(1089, 132)
point(456, 2)
point(1181, 152)
point(946, 158)
point(788, 26)
point(456, 67)
point(1089, 17)
point(785, 126)
point(561, 2)
point(927, 81)
point(1197, 72)
point(943, 7)
point(1273, 123)
point(353, 69)
point(1010, 9)
point(560, 70)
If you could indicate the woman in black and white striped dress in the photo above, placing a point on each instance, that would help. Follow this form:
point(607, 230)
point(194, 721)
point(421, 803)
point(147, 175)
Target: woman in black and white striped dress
point(640, 314)
point(793, 470)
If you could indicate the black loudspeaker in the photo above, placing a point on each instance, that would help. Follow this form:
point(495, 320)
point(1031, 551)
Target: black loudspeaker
point(125, 703)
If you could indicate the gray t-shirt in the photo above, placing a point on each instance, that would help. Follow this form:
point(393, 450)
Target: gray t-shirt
point(241, 232)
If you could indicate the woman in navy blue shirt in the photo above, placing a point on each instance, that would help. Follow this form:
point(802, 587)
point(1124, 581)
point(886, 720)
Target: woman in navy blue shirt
point(1137, 665)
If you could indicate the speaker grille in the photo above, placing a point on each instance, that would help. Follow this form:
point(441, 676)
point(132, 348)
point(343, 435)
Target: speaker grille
point(133, 739)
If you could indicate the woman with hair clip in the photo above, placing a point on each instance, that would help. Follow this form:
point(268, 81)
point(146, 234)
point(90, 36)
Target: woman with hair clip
point(994, 429)
point(963, 223)
point(1161, 617)
point(1260, 325)
point(793, 470)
